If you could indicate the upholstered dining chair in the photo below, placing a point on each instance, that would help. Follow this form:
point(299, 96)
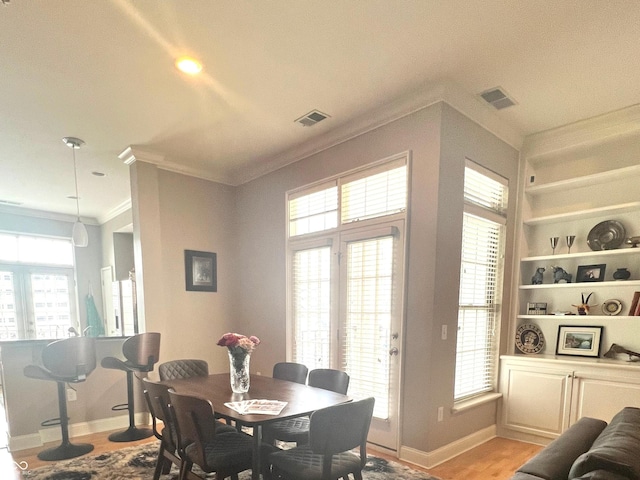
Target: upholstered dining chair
point(65, 361)
point(141, 353)
point(202, 442)
point(333, 433)
point(290, 371)
point(297, 429)
point(184, 368)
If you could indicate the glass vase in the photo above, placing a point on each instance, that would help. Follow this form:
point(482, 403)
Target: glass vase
point(239, 371)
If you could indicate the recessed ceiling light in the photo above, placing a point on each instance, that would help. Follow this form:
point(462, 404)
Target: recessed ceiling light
point(189, 65)
point(98, 174)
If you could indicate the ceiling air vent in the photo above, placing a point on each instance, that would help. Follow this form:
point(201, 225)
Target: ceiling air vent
point(311, 118)
point(9, 202)
point(498, 98)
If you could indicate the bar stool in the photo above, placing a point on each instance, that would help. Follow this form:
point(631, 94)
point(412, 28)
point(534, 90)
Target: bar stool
point(141, 353)
point(64, 361)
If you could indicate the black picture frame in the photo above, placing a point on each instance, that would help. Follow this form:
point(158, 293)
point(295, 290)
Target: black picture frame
point(579, 340)
point(200, 269)
point(591, 273)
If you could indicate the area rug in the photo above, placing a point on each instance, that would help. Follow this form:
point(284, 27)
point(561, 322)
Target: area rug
point(137, 463)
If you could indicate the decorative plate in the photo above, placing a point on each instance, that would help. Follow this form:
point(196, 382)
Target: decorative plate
point(529, 339)
point(612, 307)
point(607, 235)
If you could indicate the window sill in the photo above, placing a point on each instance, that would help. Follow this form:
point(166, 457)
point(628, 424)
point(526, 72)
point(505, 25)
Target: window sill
point(464, 405)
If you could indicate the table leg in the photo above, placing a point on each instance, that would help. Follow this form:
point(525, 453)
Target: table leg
point(257, 442)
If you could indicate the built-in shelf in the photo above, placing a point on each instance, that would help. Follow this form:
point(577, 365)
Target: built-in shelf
point(584, 181)
point(592, 253)
point(616, 283)
point(578, 214)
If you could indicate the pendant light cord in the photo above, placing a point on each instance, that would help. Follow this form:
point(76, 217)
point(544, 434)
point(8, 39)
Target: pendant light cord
point(75, 176)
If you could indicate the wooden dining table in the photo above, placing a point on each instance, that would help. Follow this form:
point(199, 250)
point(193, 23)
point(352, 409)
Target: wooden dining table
point(301, 400)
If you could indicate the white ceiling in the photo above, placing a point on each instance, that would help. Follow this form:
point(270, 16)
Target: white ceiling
point(103, 71)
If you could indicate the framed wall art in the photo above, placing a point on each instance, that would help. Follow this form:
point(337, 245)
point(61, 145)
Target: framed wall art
point(579, 341)
point(200, 271)
point(591, 273)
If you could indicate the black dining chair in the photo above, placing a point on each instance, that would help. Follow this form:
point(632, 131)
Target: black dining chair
point(203, 443)
point(297, 429)
point(333, 433)
point(141, 353)
point(183, 368)
point(157, 397)
point(64, 361)
point(290, 371)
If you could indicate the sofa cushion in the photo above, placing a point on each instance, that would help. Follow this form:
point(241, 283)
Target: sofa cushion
point(602, 475)
point(616, 450)
point(555, 460)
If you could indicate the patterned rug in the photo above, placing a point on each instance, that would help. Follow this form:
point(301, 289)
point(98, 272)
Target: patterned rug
point(137, 463)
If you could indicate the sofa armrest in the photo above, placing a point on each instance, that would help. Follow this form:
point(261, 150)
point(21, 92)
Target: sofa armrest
point(556, 459)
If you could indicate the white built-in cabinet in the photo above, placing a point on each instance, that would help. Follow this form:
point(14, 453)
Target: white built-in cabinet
point(574, 178)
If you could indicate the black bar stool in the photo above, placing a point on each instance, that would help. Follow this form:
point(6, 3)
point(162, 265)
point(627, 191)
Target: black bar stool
point(141, 353)
point(64, 361)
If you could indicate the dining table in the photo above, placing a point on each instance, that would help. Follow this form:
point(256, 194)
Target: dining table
point(301, 400)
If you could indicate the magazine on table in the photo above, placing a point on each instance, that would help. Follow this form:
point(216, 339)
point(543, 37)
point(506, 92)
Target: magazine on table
point(257, 407)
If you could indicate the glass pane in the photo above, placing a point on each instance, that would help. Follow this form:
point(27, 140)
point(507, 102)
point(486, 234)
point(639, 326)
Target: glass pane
point(8, 310)
point(51, 305)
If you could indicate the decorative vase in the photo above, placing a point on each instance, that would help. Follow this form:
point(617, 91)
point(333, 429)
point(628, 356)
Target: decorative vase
point(239, 370)
point(621, 274)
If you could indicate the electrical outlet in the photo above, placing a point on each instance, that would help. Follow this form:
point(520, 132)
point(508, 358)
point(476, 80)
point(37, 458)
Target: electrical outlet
point(444, 332)
point(72, 395)
point(440, 414)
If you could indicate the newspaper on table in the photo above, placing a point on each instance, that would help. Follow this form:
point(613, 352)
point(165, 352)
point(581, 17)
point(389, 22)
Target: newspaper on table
point(257, 407)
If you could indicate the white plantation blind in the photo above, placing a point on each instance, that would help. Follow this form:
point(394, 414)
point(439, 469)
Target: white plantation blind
point(313, 212)
point(366, 335)
point(375, 195)
point(481, 273)
point(311, 283)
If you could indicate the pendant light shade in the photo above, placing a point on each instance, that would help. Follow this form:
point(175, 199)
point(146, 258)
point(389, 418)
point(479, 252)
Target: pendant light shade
point(79, 235)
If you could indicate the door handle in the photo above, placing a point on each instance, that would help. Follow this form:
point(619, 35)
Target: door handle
point(394, 351)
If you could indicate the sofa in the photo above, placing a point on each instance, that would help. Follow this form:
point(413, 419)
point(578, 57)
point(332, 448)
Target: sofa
point(590, 450)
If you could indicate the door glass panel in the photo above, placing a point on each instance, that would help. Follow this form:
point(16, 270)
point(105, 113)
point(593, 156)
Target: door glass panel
point(8, 307)
point(51, 305)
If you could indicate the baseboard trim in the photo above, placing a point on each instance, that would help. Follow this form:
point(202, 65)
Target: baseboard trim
point(447, 452)
point(53, 434)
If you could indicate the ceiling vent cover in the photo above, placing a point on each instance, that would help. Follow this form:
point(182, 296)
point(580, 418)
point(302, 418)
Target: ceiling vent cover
point(498, 98)
point(311, 118)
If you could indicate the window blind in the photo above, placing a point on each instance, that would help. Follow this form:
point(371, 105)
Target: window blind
point(311, 290)
point(313, 212)
point(366, 335)
point(376, 195)
point(481, 272)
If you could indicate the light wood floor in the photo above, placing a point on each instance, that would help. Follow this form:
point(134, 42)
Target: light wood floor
point(496, 459)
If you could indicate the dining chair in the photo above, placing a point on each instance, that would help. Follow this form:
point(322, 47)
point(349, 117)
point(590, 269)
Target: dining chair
point(70, 360)
point(141, 353)
point(297, 429)
point(333, 433)
point(203, 443)
point(290, 371)
point(184, 368)
point(157, 397)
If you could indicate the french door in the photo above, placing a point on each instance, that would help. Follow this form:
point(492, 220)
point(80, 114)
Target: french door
point(346, 311)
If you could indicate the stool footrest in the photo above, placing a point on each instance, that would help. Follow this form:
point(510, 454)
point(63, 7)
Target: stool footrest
point(52, 422)
point(121, 406)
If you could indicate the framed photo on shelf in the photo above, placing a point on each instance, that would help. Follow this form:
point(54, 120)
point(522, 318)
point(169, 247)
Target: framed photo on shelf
point(591, 273)
point(579, 341)
point(200, 270)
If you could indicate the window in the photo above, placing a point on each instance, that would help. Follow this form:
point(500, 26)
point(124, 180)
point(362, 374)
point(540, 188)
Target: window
point(37, 288)
point(346, 251)
point(481, 272)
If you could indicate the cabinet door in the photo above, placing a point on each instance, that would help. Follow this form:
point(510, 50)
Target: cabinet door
point(537, 400)
point(600, 396)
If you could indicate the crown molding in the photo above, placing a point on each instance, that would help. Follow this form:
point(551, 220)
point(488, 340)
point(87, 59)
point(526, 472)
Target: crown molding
point(61, 217)
point(583, 133)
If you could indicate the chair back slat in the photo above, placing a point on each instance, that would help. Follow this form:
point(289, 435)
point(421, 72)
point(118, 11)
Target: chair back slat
point(290, 371)
point(329, 379)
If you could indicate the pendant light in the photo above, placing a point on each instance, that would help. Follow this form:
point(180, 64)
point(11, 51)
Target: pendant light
point(79, 235)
